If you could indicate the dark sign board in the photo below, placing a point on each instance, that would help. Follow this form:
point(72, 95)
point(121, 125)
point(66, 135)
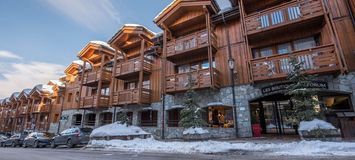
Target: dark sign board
point(281, 87)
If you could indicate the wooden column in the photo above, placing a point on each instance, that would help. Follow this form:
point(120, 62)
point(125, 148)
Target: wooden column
point(140, 82)
point(98, 95)
point(113, 80)
point(210, 56)
point(81, 84)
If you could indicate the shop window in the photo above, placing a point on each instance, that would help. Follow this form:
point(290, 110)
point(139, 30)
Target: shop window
point(220, 117)
point(77, 119)
point(90, 119)
point(174, 117)
point(149, 118)
point(105, 118)
point(338, 103)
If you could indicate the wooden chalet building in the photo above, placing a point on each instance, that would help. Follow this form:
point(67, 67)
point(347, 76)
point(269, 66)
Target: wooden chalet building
point(237, 52)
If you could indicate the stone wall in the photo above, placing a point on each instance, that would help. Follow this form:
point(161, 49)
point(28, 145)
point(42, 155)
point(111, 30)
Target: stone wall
point(176, 132)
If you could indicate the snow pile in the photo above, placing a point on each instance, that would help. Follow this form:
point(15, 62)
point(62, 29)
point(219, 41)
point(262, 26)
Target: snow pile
point(302, 148)
point(193, 130)
point(315, 124)
point(117, 129)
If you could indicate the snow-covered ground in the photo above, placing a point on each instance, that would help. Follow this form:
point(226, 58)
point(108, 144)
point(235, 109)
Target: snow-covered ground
point(315, 124)
point(304, 148)
point(117, 129)
point(193, 130)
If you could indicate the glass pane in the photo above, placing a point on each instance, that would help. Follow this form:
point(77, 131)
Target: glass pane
point(277, 17)
point(264, 52)
point(304, 43)
point(264, 21)
point(294, 13)
point(284, 48)
point(183, 68)
point(205, 65)
point(256, 53)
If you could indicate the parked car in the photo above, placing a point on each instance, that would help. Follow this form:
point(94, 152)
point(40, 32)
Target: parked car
point(37, 139)
point(3, 139)
point(72, 137)
point(16, 140)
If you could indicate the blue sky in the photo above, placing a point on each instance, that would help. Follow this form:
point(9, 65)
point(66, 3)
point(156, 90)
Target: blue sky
point(40, 38)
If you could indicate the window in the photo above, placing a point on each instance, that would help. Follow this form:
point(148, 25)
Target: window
point(70, 96)
point(265, 52)
point(130, 85)
point(220, 117)
point(184, 68)
point(338, 103)
point(105, 118)
point(77, 119)
point(105, 91)
point(146, 84)
point(90, 119)
point(205, 64)
point(304, 43)
point(174, 117)
point(284, 48)
point(149, 118)
point(129, 115)
point(277, 17)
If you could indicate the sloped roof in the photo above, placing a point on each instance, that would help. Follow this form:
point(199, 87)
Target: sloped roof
point(121, 30)
point(57, 82)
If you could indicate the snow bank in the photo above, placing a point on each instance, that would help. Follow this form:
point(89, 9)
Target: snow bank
point(315, 124)
point(303, 148)
point(117, 129)
point(193, 130)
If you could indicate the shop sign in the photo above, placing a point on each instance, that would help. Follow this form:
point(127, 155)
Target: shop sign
point(281, 87)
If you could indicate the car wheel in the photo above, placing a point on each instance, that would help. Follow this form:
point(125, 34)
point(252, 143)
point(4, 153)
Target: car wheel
point(35, 145)
point(13, 144)
point(70, 144)
point(53, 144)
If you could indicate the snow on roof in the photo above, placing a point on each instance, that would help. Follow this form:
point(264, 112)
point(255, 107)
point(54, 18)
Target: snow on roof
point(27, 91)
point(15, 94)
point(315, 124)
point(166, 8)
point(57, 82)
point(117, 129)
point(137, 25)
point(78, 62)
point(224, 5)
point(7, 100)
point(45, 88)
point(215, 104)
point(102, 43)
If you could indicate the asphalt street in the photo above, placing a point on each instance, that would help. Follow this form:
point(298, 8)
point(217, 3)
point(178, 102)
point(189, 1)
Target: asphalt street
point(88, 154)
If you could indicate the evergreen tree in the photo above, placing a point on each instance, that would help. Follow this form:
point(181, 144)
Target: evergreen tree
point(191, 115)
point(122, 118)
point(304, 101)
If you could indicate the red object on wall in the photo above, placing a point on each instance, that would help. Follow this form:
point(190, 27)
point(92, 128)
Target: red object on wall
point(256, 128)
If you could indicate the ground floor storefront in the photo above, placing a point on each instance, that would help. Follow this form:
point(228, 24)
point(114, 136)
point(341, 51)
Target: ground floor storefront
point(263, 104)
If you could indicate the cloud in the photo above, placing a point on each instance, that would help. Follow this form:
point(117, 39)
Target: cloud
point(93, 14)
point(8, 54)
point(26, 75)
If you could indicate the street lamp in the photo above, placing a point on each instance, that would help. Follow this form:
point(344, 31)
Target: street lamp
point(231, 65)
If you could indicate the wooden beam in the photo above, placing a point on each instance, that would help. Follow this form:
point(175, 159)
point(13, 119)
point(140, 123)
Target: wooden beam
point(98, 92)
point(141, 74)
point(113, 80)
point(210, 56)
point(81, 83)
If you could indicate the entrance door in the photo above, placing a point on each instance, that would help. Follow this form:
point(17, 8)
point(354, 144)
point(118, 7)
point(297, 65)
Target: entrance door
point(272, 116)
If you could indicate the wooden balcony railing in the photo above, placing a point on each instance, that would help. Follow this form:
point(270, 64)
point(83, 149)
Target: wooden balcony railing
point(179, 82)
point(37, 108)
point(28, 125)
point(284, 14)
point(24, 109)
point(91, 102)
point(190, 42)
point(321, 59)
point(133, 66)
point(131, 97)
point(93, 77)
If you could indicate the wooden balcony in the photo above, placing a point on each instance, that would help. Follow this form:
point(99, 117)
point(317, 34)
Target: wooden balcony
point(179, 82)
point(283, 15)
point(41, 108)
point(321, 59)
point(190, 45)
point(24, 110)
point(132, 67)
point(132, 97)
point(92, 78)
point(91, 102)
point(28, 125)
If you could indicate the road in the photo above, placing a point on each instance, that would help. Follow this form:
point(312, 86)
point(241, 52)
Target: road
point(77, 154)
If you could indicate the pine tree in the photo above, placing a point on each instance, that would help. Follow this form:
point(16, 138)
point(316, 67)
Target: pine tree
point(191, 115)
point(305, 105)
point(122, 118)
